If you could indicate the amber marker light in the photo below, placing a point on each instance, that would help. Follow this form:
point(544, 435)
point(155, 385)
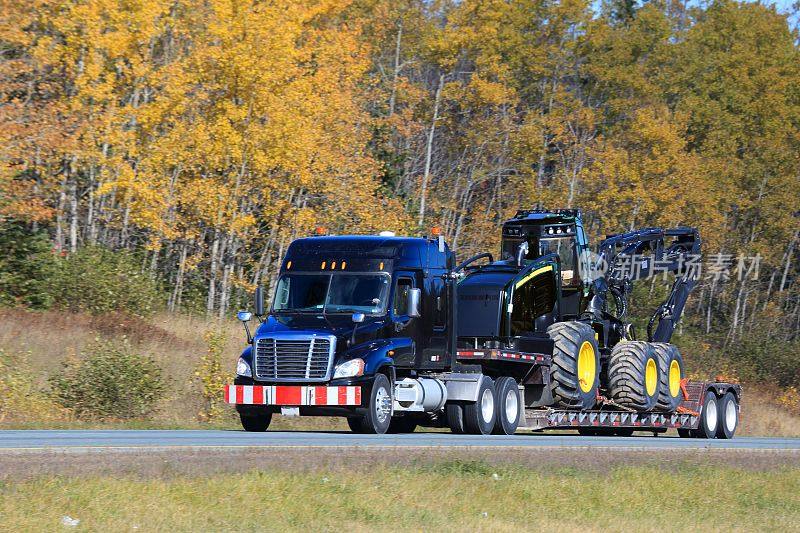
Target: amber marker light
point(436, 231)
point(323, 265)
point(288, 265)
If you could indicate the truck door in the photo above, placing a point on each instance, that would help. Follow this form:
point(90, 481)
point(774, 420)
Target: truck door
point(433, 322)
point(403, 325)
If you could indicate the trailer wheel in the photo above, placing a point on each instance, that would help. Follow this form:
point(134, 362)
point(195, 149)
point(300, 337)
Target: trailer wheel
point(709, 418)
point(728, 416)
point(479, 417)
point(633, 375)
point(508, 406)
point(257, 423)
point(402, 424)
point(670, 376)
point(575, 371)
point(379, 408)
point(455, 417)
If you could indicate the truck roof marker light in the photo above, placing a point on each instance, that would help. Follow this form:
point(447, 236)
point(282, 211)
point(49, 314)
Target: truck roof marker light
point(323, 265)
point(380, 267)
point(436, 231)
point(288, 265)
point(320, 230)
point(333, 265)
point(344, 264)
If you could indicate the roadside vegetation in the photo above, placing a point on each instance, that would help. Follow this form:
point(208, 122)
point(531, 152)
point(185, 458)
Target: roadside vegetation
point(459, 495)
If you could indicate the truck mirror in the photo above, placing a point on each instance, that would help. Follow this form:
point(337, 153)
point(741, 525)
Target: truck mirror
point(259, 301)
point(414, 298)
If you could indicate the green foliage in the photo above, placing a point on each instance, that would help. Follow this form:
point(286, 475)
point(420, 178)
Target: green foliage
point(109, 381)
point(26, 265)
point(98, 280)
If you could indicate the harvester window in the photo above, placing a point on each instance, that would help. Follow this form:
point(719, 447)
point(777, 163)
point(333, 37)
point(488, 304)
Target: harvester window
point(400, 307)
point(532, 300)
point(565, 248)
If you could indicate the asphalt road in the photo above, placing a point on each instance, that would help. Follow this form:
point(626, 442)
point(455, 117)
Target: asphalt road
point(155, 439)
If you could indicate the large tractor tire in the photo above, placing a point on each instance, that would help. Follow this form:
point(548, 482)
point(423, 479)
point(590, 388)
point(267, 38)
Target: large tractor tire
point(633, 375)
point(670, 365)
point(575, 371)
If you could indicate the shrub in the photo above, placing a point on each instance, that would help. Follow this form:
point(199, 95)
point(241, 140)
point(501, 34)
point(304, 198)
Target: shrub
point(110, 381)
point(26, 266)
point(20, 399)
point(213, 376)
point(98, 280)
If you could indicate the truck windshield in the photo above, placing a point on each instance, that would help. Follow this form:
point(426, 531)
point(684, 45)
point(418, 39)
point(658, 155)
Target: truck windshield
point(332, 293)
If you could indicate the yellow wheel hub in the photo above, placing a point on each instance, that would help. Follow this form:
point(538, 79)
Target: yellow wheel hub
point(587, 366)
point(674, 378)
point(651, 376)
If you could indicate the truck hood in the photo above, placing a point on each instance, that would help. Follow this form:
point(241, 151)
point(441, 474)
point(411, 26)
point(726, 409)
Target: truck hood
point(340, 325)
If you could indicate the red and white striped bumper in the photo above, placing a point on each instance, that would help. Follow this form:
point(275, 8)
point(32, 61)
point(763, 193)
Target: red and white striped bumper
point(292, 395)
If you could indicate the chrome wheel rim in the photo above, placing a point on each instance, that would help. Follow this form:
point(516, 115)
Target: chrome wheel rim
point(711, 415)
point(383, 407)
point(512, 406)
point(487, 405)
point(730, 416)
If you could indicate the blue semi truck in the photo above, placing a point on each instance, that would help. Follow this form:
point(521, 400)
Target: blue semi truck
point(391, 333)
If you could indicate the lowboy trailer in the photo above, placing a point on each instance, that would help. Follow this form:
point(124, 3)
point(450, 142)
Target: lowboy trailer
point(390, 333)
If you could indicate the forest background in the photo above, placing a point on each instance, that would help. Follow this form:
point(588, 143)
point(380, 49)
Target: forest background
point(157, 157)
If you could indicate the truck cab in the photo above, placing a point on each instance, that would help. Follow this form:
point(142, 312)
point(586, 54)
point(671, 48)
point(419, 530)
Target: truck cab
point(345, 310)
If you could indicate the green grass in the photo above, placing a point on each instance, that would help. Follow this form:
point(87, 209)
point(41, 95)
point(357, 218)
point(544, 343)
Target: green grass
point(449, 495)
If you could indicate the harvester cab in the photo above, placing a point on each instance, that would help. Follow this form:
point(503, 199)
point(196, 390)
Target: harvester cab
point(532, 234)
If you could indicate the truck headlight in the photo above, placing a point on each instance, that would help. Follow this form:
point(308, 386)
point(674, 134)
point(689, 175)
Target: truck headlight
point(349, 369)
point(243, 369)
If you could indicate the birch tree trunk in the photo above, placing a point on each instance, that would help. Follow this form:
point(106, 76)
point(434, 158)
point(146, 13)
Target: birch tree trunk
point(429, 151)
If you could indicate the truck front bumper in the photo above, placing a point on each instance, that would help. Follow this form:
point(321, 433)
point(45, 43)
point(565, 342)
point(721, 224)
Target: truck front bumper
point(294, 395)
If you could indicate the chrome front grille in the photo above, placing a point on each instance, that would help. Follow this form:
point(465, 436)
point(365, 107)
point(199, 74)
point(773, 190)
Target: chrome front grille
point(294, 358)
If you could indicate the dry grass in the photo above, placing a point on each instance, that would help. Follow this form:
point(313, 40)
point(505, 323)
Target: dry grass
point(447, 494)
point(46, 339)
point(763, 416)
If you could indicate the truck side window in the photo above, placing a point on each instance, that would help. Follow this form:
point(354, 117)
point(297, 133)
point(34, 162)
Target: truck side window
point(400, 305)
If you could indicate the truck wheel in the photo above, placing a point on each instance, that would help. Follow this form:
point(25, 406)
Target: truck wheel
point(709, 418)
point(402, 424)
point(455, 417)
point(508, 406)
point(355, 424)
point(671, 365)
point(256, 422)
point(479, 417)
point(575, 370)
point(728, 416)
point(379, 408)
point(633, 375)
